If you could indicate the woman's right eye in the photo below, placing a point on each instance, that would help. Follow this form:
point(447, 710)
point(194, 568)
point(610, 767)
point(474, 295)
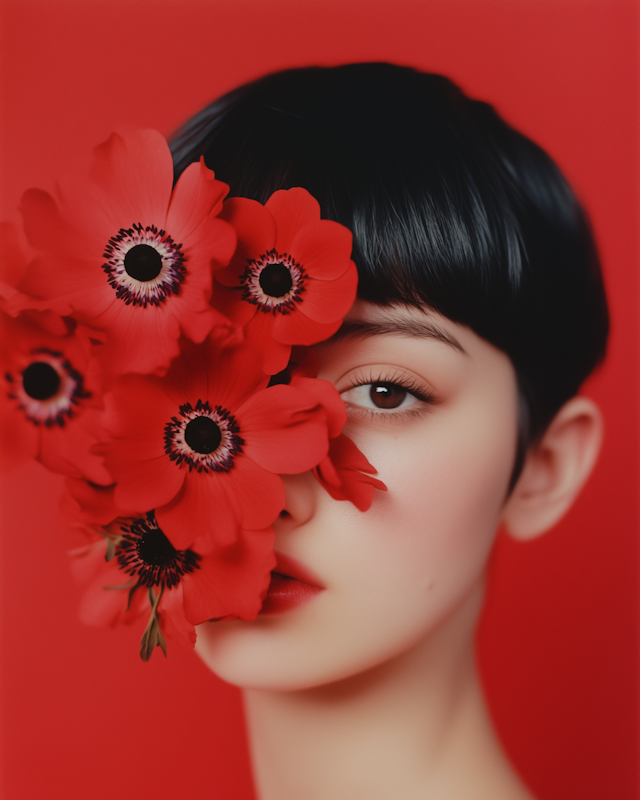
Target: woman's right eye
point(380, 395)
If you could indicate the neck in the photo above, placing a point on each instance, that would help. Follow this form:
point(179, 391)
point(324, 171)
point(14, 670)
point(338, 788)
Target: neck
point(413, 727)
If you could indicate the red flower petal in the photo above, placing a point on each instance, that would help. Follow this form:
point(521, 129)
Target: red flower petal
point(230, 303)
point(173, 623)
point(232, 583)
point(199, 323)
point(304, 362)
point(136, 170)
point(66, 283)
point(342, 474)
point(148, 483)
point(93, 504)
point(296, 328)
point(256, 231)
point(324, 393)
point(136, 410)
point(259, 333)
point(101, 605)
point(327, 301)
point(195, 203)
point(44, 227)
point(67, 451)
point(284, 431)
point(202, 512)
point(223, 376)
point(324, 249)
point(328, 476)
point(292, 209)
point(257, 494)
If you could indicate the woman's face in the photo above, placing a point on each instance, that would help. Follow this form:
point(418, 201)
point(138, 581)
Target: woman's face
point(434, 408)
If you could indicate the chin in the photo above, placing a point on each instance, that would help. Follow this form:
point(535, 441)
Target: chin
point(261, 655)
point(311, 647)
point(279, 652)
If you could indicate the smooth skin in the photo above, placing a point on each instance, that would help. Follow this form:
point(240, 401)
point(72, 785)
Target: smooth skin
point(370, 690)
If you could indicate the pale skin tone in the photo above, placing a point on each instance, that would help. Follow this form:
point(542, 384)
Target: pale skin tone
point(370, 690)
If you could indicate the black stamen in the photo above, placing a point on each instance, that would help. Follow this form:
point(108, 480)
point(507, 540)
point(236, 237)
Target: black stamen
point(40, 381)
point(202, 435)
point(143, 262)
point(144, 551)
point(155, 549)
point(275, 280)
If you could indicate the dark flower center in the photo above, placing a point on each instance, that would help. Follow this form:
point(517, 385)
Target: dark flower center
point(203, 435)
point(275, 280)
point(155, 549)
point(40, 381)
point(143, 262)
point(144, 265)
point(144, 551)
point(203, 438)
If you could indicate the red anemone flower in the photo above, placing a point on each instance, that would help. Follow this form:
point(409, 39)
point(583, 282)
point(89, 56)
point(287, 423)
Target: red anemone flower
point(205, 444)
point(49, 397)
point(131, 257)
point(291, 280)
point(344, 472)
point(131, 569)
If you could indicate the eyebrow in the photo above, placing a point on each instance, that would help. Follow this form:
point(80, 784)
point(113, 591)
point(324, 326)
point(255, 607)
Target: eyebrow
point(419, 329)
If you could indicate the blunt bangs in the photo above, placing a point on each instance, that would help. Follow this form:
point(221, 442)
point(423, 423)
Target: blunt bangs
point(450, 207)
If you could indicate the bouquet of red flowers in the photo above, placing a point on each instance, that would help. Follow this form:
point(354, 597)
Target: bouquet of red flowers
point(156, 353)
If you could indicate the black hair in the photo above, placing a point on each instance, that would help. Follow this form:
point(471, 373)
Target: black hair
point(449, 206)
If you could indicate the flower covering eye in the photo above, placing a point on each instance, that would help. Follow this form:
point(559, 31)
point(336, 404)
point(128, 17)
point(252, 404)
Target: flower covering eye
point(120, 298)
point(212, 413)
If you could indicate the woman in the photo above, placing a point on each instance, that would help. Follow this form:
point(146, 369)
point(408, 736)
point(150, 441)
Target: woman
point(481, 312)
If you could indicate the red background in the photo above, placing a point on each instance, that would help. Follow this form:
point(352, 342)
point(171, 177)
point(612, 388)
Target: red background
point(84, 718)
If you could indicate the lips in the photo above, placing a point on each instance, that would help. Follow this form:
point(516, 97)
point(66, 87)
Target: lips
point(292, 585)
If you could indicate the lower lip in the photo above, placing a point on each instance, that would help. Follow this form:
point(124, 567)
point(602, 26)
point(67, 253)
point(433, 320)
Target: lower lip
point(286, 593)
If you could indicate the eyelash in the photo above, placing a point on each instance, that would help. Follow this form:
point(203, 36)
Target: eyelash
point(410, 385)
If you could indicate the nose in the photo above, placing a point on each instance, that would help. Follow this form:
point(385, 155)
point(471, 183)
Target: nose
point(301, 495)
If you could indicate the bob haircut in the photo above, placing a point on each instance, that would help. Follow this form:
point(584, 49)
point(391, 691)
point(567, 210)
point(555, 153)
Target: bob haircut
point(450, 209)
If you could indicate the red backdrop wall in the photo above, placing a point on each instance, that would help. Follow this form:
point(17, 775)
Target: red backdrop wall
point(84, 719)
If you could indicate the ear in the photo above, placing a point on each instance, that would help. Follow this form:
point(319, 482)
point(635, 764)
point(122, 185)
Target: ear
point(555, 469)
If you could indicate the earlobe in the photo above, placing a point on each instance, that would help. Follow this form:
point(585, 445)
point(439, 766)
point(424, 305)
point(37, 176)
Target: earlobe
point(555, 470)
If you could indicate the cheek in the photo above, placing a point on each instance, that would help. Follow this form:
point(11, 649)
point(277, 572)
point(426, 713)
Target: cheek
point(394, 573)
point(433, 531)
